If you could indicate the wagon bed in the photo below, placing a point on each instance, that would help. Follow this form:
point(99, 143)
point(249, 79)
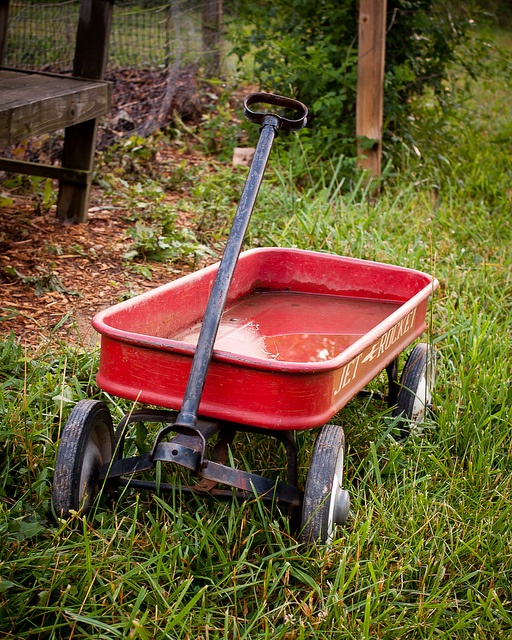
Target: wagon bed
point(302, 333)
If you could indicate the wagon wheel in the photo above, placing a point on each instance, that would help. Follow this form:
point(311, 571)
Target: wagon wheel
point(326, 503)
point(416, 385)
point(87, 443)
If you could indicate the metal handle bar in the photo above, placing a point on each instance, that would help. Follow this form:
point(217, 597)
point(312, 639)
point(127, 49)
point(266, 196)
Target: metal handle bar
point(286, 124)
point(270, 125)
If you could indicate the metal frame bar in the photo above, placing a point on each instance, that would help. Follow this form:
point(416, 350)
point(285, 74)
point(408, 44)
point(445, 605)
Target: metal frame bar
point(187, 449)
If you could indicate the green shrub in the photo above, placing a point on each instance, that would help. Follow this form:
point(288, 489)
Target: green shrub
point(308, 49)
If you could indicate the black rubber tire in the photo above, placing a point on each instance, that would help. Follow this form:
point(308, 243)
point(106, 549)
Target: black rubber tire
point(326, 503)
point(87, 443)
point(416, 386)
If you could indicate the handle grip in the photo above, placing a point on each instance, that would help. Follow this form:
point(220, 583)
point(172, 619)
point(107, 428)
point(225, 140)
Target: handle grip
point(286, 124)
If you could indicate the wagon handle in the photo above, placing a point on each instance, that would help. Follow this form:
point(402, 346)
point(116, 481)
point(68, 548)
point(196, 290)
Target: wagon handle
point(286, 124)
point(270, 126)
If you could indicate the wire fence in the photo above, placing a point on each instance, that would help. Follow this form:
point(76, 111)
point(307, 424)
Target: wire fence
point(153, 34)
point(157, 54)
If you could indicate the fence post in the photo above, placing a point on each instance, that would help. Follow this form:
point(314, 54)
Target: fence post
point(370, 84)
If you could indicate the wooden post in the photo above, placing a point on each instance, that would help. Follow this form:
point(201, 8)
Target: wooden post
point(4, 19)
point(80, 140)
point(370, 84)
point(92, 38)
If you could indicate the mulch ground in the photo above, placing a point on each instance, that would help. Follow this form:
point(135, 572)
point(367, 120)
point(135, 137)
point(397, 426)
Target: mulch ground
point(55, 277)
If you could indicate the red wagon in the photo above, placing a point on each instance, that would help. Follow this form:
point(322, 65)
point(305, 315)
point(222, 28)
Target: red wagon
point(270, 341)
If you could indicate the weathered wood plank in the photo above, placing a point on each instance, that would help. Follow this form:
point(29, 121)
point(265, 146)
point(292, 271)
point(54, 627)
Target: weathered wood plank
point(32, 104)
point(13, 81)
point(74, 176)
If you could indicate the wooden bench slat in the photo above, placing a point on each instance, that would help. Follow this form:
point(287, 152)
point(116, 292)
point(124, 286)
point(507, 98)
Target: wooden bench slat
point(34, 104)
point(12, 82)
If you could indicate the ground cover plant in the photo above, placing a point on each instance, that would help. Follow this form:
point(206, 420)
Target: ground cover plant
point(426, 552)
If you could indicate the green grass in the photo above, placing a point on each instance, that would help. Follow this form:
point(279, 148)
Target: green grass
point(426, 553)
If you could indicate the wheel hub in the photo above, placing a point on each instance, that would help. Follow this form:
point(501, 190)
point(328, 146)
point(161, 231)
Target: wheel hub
point(341, 506)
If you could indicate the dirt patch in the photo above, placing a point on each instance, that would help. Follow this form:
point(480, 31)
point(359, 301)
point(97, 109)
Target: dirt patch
point(55, 277)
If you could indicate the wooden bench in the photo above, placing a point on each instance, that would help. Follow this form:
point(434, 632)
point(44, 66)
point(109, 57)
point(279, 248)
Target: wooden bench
point(35, 103)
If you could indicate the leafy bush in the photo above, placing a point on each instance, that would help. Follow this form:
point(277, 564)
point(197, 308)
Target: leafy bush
point(308, 49)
